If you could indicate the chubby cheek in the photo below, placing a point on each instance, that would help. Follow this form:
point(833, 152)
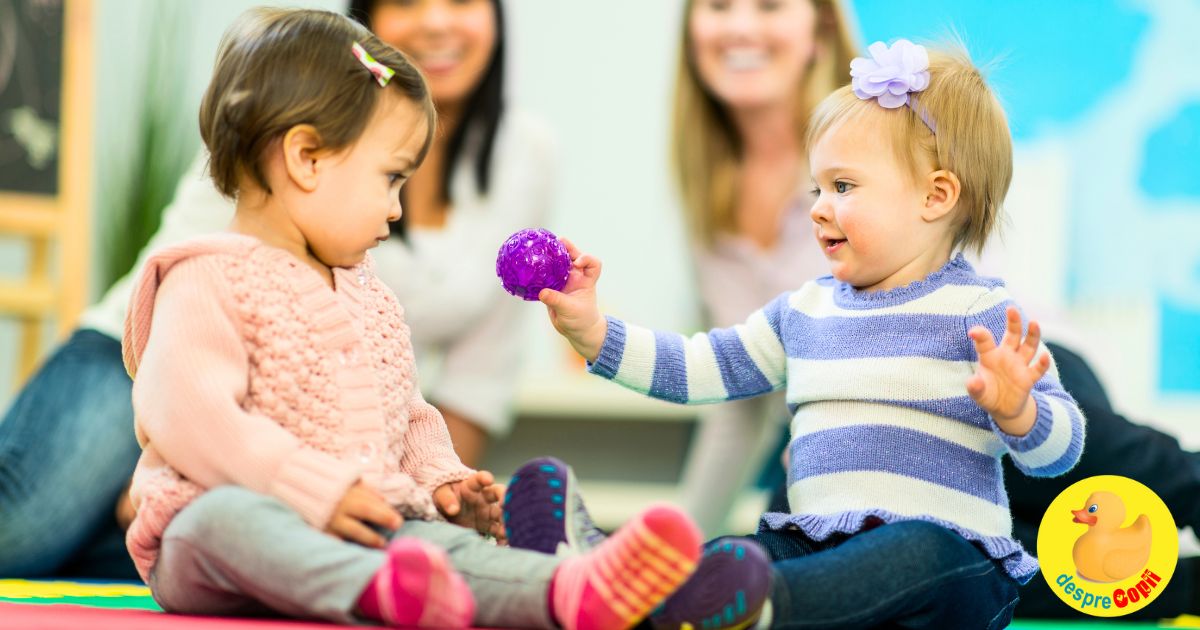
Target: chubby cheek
point(862, 239)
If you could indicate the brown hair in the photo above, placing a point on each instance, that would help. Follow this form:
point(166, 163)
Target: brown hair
point(278, 68)
point(972, 139)
point(705, 145)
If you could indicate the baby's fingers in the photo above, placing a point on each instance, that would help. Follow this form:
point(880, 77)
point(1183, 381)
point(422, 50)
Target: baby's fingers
point(975, 387)
point(589, 266)
point(984, 341)
point(1041, 366)
point(572, 250)
point(1032, 340)
point(353, 530)
point(553, 300)
point(1012, 329)
point(446, 500)
point(480, 480)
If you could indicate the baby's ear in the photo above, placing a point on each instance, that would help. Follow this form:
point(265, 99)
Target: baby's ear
point(941, 194)
point(301, 148)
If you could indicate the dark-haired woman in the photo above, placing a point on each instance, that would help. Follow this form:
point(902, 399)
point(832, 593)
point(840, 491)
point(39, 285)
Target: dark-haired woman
point(67, 447)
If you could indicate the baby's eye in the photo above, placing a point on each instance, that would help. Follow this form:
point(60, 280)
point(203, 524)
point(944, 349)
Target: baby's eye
point(841, 187)
point(394, 179)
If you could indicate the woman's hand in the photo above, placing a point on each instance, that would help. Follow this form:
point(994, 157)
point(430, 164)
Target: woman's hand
point(573, 311)
point(476, 502)
point(361, 507)
point(1007, 373)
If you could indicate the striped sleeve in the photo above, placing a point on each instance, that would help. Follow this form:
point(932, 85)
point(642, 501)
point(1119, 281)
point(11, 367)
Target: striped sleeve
point(1054, 444)
point(723, 364)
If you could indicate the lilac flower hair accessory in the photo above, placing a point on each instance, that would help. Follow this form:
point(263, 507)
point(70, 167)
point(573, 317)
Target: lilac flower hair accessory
point(892, 75)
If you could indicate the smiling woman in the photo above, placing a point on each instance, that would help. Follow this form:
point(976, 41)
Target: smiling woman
point(488, 174)
point(749, 73)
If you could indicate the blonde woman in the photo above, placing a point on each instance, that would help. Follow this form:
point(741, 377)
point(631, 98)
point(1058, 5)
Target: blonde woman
point(750, 72)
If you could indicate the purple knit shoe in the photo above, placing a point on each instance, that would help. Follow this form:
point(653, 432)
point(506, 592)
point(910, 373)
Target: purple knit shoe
point(727, 591)
point(544, 512)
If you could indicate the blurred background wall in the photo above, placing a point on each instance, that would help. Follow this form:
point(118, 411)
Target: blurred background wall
point(1103, 239)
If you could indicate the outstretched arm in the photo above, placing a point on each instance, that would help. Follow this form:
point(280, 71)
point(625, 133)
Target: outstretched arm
point(722, 364)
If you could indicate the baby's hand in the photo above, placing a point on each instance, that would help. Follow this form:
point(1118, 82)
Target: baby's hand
point(1006, 374)
point(573, 311)
point(475, 502)
point(361, 507)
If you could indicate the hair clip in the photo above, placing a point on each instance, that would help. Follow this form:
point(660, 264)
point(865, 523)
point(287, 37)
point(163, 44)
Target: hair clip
point(892, 76)
point(382, 73)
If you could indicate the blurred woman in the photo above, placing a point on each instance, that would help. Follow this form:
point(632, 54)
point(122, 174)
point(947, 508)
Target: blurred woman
point(749, 74)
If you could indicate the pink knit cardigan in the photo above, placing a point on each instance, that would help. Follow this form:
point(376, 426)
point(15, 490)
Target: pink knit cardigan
point(250, 370)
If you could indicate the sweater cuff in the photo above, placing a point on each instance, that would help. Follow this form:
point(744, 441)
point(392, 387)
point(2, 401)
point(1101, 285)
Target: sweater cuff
point(313, 483)
point(608, 361)
point(1037, 433)
point(435, 474)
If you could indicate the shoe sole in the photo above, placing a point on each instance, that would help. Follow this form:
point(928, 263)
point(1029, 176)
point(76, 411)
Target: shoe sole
point(543, 490)
point(727, 591)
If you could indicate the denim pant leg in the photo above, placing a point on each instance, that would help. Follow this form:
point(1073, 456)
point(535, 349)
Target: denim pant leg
point(67, 450)
point(511, 586)
point(911, 574)
point(236, 552)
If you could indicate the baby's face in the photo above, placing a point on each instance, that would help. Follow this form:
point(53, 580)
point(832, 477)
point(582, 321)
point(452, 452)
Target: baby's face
point(359, 189)
point(867, 217)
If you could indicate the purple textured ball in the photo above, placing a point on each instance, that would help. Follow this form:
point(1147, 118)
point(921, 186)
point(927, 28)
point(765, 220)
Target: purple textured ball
point(532, 260)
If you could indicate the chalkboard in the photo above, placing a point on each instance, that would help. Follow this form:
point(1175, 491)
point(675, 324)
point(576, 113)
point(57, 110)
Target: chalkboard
point(31, 70)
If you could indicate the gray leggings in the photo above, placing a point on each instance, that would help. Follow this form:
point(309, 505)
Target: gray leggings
point(236, 552)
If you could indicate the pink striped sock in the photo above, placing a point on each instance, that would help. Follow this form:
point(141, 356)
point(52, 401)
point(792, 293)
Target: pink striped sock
point(621, 581)
point(416, 586)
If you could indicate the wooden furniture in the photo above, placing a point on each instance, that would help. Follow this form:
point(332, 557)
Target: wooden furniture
point(45, 189)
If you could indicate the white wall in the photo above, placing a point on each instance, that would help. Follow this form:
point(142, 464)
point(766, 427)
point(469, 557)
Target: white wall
point(600, 73)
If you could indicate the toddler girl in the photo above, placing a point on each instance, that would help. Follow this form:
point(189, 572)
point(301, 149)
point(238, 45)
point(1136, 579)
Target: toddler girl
point(285, 441)
point(902, 401)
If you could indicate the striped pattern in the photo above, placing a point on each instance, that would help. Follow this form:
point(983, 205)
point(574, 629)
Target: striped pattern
point(882, 424)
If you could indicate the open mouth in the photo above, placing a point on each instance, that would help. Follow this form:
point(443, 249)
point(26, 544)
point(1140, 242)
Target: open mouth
point(833, 244)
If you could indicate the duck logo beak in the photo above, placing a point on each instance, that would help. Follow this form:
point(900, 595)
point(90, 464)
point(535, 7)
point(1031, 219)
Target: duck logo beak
point(1082, 516)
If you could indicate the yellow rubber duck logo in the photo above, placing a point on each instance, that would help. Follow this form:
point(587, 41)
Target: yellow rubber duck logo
point(1108, 552)
point(1107, 546)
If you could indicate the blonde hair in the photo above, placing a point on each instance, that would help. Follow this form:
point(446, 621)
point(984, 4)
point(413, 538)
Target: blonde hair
point(972, 138)
point(705, 146)
point(278, 68)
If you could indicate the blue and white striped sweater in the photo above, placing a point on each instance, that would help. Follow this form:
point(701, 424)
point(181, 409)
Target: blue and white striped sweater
point(882, 424)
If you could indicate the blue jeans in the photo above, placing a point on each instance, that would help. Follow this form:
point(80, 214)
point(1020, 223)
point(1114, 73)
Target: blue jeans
point(904, 575)
point(67, 450)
